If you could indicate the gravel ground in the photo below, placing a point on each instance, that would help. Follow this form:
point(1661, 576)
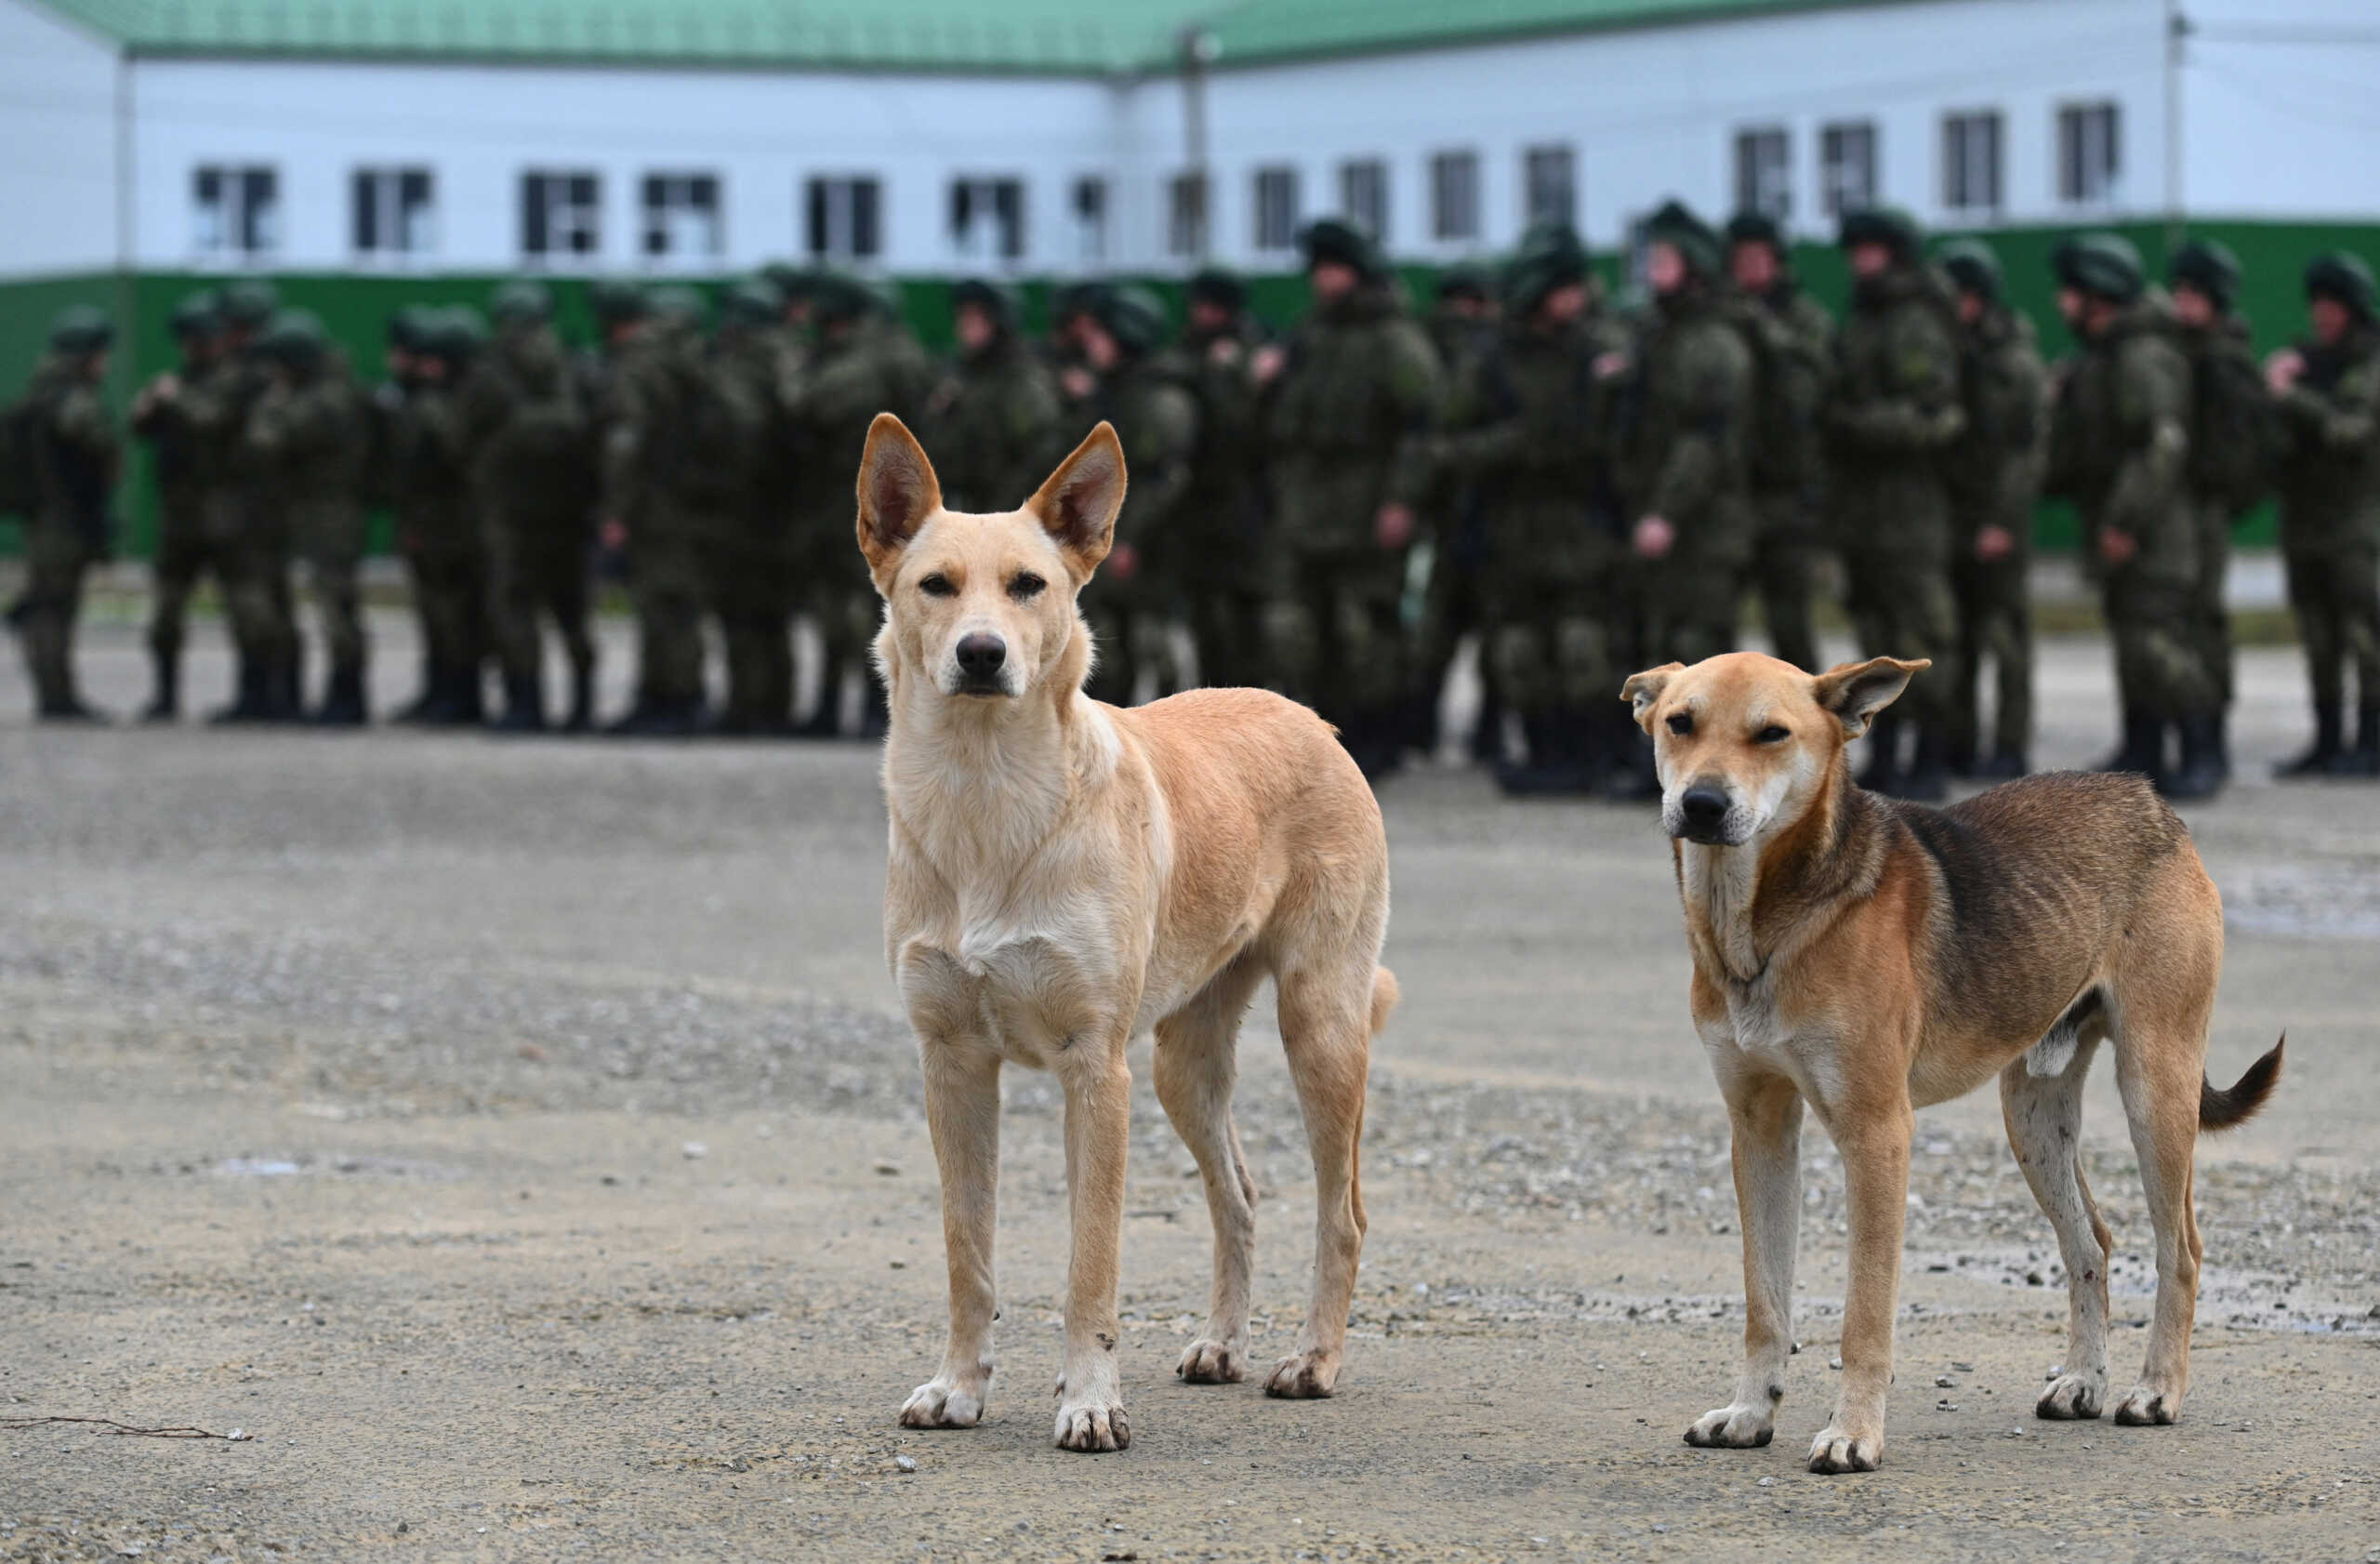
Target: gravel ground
point(516, 1144)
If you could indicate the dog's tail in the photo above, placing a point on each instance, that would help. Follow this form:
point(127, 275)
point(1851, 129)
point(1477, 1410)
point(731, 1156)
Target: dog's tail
point(2221, 1109)
point(1385, 993)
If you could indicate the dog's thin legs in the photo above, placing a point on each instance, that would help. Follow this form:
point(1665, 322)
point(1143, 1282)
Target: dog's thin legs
point(1098, 1107)
point(2161, 1085)
point(1873, 1138)
point(1326, 1030)
point(962, 1078)
point(1196, 1058)
point(2044, 1118)
point(1764, 1113)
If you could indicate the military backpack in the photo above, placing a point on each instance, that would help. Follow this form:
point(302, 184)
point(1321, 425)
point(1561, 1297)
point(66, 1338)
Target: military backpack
point(2236, 432)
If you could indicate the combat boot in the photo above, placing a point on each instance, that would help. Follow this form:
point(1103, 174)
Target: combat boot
point(1540, 774)
point(2199, 776)
point(1882, 770)
point(2005, 765)
point(2143, 748)
point(248, 701)
point(2364, 759)
point(285, 687)
point(2222, 721)
point(166, 703)
point(343, 704)
point(2322, 759)
point(468, 691)
point(1635, 777)
point(524, 706)
point(1928, 780)
point(436, 697)
point(582, 699)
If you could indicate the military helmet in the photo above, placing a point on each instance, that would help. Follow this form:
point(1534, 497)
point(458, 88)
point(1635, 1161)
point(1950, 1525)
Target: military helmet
point(616, 300)
point(1074, 300)
point(2343, 275)
point(295, 338)
point(678, 304)
point(1676, 225)
point(1133, 316)
point(753, 301)
point(410, 328)
point(456, 333)
point(838, 296)
point(1466, 279)
point(79, 329)
point(1332, 239)
point(2208, 266)
point(883, 297)
point(1973, 266)
point(1889, 226)
point(1550, 257)
point(995, 299)
point(249, 302)
point(1212, 285)
point(1756, 228)
point(197, 315)
point(522, 301)
point(795, 284)
point(2106, 266)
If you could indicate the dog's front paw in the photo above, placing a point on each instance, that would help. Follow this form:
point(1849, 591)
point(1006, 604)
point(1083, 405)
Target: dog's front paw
point(942, 1403)
point(1089, 1428)
point(1736, 1427)
point(1209, 1361)
point(1838, 1449)
point(1303, 1377)
point(2145, 1405)
point(2072, 1398)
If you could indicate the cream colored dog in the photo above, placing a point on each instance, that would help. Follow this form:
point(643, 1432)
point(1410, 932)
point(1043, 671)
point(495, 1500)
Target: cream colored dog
point(1065, 875)
point(1870, 957)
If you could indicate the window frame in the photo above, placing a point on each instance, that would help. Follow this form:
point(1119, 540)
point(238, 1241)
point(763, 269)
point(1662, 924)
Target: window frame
point(1750, 195)
point(1005, 213)
point(381, 214)
point(245, 225)
point(1455, 214)
point(1959, 128)
point(2074, 180)
point(1536, 158)
point(658, 193)
point(1275, 185)
point(1836, 140)
point(862, 218)
point(1189, 212)
point(572, 193)
point(1360, 177)
point(1087, 209)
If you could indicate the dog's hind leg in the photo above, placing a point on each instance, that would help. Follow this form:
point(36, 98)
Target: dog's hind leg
point(1197, 1060)
point(2044, 1118)
point(2161, 1054)
point(1326, 1028)
point(1764, 1114)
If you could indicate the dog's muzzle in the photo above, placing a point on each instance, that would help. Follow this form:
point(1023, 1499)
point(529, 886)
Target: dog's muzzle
point(1701, 814)
point(983, 661)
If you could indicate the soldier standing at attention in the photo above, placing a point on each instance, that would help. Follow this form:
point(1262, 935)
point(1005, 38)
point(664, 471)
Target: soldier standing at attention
point(1224, 564)
point(2125, 466)
point(1995, 479)
point(2328, 388)
point(64, 459)
point(162, 415)
point(1525, 440)
point(748, 566)
point(243, 517)
point(307, 433)
point(994, 418)
point(2236, 434)
point(1891, 418)
point(1463, 327)
point(1355, 399)
point(438, 523)
point(1144, 390)
point(1788, 470)
point(387, 467)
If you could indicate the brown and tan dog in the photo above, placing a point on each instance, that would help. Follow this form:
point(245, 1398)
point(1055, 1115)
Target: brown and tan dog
point(1870, 957)
point(1065, 875)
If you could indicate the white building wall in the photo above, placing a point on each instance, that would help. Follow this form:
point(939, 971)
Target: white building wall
point(2278, 107)
point(58, 146)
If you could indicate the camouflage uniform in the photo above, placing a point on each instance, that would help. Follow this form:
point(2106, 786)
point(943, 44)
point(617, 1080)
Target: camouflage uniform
point(750, 565)
point(528, 432)
point(994, 424)
point(1892, 414)
point(1146, 396)
point(161, 415)
point(306, 435)
point(1792, 335)
point(438, 526)
point(1351, 414)
point(1995, 471)
point(2330, 518)
point(71, 460)
point(1462, 327)
point(1223, 559)
point(246, 525)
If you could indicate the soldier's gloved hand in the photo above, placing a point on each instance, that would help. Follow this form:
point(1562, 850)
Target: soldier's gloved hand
point(1123, 562)
point(2118, 547)
point(1993, 544)
point(613, 534)
point(1270, 360)
point(1653, 538)
point(1393, 527)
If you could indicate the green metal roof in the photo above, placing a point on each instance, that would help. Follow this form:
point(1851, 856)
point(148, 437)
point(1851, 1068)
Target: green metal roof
point(1040, 37)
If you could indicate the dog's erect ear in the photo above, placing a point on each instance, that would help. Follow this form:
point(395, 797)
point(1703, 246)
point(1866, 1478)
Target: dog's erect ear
point(1855, 692)
point(1077, 506)
point(897, 491)
point(1643, 691)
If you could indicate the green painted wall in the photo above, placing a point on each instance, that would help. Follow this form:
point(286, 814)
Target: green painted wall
point(356, 307)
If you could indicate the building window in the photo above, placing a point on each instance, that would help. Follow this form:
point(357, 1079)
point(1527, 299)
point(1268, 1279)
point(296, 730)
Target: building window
point(681, 218)
point(845, 219)
point(1090, 210)
point(1185, 215)
point(236, 211)
point(394, 213)
point(1847, 167)
point(1765, 172)
point(987, 220)
point(1971, 162)
point(561, 214)
point(2090, 154)
point(1550, 185)
point(1363, 195)
point(1277, 208)
point(1454, 195)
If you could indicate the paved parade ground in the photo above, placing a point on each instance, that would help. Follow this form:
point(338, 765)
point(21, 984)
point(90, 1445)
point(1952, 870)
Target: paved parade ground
point(517, 1144)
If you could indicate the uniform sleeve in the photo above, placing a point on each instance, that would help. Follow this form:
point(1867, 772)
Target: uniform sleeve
point(2024, 416)
point(1158, 460)
point(1919, 412)
point(1715, 380)
point(1417, 395)
point(633, 408)
point(1036, 431)
point(2345, 419)
point(2152, 414)
point(83, 423)
point(1480, 436)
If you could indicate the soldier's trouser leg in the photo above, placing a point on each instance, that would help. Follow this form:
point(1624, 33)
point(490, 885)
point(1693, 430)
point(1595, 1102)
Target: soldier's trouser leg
point(55, 561)
point(2213, 567)
point(2160, 661)
point(665, 585)
point(1116, 672)
point(1906, 611)
point(2319, 630)
point(256, 595)
point(1786, 565)
point(448, 600)
point(2008, 638)
point(1689, 607)
point(1364, 652)
point(181, 555)
point(516, 592)
point(333, 563)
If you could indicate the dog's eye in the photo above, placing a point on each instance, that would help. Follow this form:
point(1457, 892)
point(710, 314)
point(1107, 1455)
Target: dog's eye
point(1772, 734)
point(1682, 723)
point(1026, 585)
point(937, 585)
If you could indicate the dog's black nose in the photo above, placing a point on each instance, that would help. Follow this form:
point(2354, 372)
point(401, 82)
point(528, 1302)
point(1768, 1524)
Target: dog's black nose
point(1703, 808)
point(979, 656)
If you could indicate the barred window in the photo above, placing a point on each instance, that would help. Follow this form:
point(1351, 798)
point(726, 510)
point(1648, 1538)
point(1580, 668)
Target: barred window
point(392, 213)
point(1363, 195)
point(235, 210)
point(562, 213)
point(1847, 166)
point(1765, 172)
point(1971, 162)
point(1454, 195)
point(1550, 185)
point(843, 218)
point(1277, 208)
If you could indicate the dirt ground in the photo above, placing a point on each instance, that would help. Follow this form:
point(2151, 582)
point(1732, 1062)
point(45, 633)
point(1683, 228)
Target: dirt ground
point(516, 1145)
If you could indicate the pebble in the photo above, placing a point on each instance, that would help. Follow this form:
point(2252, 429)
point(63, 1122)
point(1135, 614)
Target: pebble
point(695, 1149)
point(906, 1462)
